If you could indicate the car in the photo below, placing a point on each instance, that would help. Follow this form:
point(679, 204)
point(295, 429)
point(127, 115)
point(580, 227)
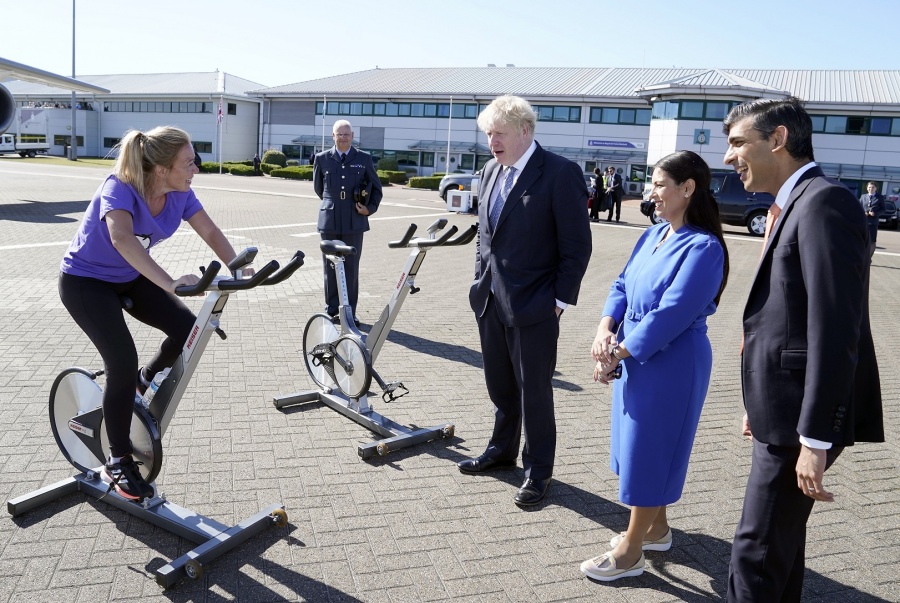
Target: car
point(737, 207)
point(459, 182)
point(888, 218)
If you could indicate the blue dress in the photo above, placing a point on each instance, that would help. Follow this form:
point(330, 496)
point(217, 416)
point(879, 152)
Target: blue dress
point(661, 301)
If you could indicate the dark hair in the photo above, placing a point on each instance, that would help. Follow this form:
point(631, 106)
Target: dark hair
point(872, 182)
point(596, 171)
point(768, 114)
point(702, 210)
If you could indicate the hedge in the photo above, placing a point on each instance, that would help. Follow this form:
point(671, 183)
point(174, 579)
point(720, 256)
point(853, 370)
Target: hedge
point(274, 156)
point(387, 164)
point(395, 177)
point(384, 178)
point(426, 182)
point(268, 167)
point(293, 172)
point(242, 170)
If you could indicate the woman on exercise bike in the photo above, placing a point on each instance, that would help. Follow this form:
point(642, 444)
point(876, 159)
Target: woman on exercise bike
point(141, 204)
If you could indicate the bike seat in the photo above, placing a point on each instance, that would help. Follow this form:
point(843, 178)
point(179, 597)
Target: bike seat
point(336, 248)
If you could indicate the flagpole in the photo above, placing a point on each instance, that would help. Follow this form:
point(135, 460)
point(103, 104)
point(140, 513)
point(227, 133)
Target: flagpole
point(324, 111)
point(219, 118)
point(449, 126)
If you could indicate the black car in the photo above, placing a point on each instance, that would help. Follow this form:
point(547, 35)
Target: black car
point(888, 218)
point(737, 207)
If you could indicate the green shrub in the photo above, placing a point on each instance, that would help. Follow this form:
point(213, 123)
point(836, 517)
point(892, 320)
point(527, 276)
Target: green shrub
point(268, 167)
point(388, 164)
point(436, 174)
point(384, 178)
point(293, 172)
point(211, 167)
point(242, 170)
point(396, 177)
point(274, 156)
point(427, 182)
point(293, 162)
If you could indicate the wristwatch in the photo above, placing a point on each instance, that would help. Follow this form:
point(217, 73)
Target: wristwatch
point(615, 353)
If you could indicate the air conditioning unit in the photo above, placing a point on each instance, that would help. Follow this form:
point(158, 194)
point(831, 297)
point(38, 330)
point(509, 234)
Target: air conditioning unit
point(459, 201)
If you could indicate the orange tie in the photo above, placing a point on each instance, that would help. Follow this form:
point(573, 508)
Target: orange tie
point(773, 214)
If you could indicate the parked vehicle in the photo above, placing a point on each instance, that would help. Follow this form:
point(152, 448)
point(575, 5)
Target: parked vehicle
point(888, 218)
point(737, 207)
point(10, 144)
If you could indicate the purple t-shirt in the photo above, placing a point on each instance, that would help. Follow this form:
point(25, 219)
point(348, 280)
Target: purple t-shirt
point(91, 252)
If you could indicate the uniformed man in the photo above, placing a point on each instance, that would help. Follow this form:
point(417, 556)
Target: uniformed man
point(345, 179)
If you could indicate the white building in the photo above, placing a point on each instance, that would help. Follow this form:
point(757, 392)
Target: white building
point(425, 117)
point(624, 117)
point(187, 100)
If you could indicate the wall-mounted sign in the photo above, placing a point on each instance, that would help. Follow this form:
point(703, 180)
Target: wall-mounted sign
point(701, 136)
point(622, 144)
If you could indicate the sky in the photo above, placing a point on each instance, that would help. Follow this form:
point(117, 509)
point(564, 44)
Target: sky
point(276, 42)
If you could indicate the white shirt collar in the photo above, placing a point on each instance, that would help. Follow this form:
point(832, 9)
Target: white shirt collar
point(785, 191)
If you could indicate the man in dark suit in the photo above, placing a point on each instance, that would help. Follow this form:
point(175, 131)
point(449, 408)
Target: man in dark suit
point(873, 206)
point(345, 180)
point(809, 373)
point(614, 193)
point(534, 244)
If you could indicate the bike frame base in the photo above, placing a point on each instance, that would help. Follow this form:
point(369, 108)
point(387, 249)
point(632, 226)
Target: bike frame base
point(397, 436)
point(214, 539)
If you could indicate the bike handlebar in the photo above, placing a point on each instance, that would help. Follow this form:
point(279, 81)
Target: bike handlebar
point(420, 243)
point(465, 237)
point(208, 275)
point(287, 271)
point(257, 279)
point(406, 238)
point(267, 275)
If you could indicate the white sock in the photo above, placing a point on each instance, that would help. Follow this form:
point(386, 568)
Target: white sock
point(114, 460)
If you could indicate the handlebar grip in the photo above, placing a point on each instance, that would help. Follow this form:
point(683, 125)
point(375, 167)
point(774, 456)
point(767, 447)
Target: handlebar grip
point(208, 275)
point(420, 243)
point(465, 237)
point(406, 238)
point(287, 271)
point(257, 279)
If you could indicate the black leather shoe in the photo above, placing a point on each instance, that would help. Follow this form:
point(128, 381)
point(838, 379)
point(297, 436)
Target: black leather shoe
point(532, 492)
point(484, 463)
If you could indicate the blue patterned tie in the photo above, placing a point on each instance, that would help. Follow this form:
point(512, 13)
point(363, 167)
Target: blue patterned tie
point(497, 206)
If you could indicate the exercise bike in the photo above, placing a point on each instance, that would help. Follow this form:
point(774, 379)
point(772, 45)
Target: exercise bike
point(341, 362)
point(76, 419)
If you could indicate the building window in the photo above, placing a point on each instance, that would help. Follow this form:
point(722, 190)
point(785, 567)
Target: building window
point(558, 113)
point(427, 159)
point(836, 124)
point(716, 110)
point(467, 161)
point(691, 110)
point(61, 140)
point(37, 138)
point(880, 125)
point(202, 147)
point(109, 143)
point(818, 123)
point(895, 129)
point(665, 110)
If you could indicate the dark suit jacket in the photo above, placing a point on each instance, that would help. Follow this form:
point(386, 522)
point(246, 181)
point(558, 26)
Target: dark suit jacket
point(330, 179)
point(541, 247)
point(809, 363)
point(617, 190)
point(875, 204)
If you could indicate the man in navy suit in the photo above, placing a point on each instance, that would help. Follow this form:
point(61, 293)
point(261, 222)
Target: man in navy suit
point(809, 373)
point(534, 244)
point(873, 206)
point(345, 180)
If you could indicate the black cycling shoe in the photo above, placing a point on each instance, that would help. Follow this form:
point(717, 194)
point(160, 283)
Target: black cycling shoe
point(126, 479)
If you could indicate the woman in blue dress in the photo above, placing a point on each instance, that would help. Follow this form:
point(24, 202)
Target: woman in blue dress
point(654, 328)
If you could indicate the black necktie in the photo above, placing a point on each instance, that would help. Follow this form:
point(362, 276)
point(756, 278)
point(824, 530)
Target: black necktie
point(343, 156)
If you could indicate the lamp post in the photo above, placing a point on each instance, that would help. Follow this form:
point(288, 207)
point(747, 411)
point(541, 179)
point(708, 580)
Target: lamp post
point(73, 140)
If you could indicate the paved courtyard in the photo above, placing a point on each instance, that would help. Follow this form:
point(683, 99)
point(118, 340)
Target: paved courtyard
point(407, 527)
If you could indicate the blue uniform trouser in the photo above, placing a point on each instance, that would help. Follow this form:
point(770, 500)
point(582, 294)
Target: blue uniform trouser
point(351, 269)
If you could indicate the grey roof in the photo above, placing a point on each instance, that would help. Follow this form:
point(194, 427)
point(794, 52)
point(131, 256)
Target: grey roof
point(149, 84)
point(820, 86)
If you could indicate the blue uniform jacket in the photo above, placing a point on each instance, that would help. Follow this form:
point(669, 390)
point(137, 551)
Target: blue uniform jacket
point(334, 183)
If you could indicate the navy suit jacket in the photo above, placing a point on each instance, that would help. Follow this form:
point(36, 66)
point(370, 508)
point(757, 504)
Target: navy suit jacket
point(334, 184)
point(809, 362)
point(540, 249)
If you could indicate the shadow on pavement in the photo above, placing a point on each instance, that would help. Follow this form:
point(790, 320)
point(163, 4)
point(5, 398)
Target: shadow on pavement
point(42, 212)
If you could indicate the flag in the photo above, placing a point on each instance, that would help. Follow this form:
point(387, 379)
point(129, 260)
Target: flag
point(220, 115)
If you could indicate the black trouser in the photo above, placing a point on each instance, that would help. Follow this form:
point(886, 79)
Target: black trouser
point(351, 271)
point(518, 370)
point(615, 203)
point(96, 307)
point(769, 550)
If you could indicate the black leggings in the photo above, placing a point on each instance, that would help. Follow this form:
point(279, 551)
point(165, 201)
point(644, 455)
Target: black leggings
point(97, 308)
